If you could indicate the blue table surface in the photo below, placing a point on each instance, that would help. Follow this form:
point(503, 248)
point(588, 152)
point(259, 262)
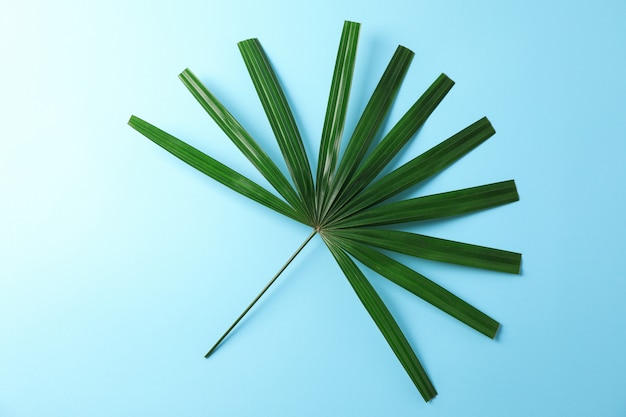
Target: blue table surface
point(120, 265)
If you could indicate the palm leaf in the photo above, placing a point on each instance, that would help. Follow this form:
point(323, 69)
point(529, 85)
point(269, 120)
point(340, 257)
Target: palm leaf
point(213, 168)
point(336, 110)
point(346, 202)
point(280, 118)
point(436, 206)
point(241, 138)
point(385, 322)
point(436, 249)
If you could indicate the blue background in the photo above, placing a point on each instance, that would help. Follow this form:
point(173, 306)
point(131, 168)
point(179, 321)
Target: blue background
point(120, 266)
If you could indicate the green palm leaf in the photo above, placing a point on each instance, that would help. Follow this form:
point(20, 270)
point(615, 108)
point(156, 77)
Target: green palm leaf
point(242, 139)
point(343, 203)
point(435, 206)
point(336, 111)
point(436, 249)
point(213, 168)
point(280, 118)
point(384, 320)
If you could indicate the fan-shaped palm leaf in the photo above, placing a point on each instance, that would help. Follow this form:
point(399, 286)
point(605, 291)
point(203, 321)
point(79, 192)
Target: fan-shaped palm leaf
point(343, 204)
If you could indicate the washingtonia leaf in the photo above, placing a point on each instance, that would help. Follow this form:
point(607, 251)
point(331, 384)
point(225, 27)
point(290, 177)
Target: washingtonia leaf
point(346, 201)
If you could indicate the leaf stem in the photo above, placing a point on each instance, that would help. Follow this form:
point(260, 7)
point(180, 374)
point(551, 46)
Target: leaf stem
point(269, 284)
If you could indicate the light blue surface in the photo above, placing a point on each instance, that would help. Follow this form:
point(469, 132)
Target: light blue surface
point(120, 266)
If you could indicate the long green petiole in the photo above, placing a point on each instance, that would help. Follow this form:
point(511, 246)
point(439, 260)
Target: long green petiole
point(269, 284)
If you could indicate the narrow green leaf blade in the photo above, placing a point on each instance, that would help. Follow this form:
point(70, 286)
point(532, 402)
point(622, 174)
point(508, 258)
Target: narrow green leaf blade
point(337, 107)
point(422, 167)
point(421, 286)
point(452, 203)
point(213, 168)
point(436, 249)
point(385, 322)
point(280, 117)
point(397, 137)
point(371, 120)
point(241, 138)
